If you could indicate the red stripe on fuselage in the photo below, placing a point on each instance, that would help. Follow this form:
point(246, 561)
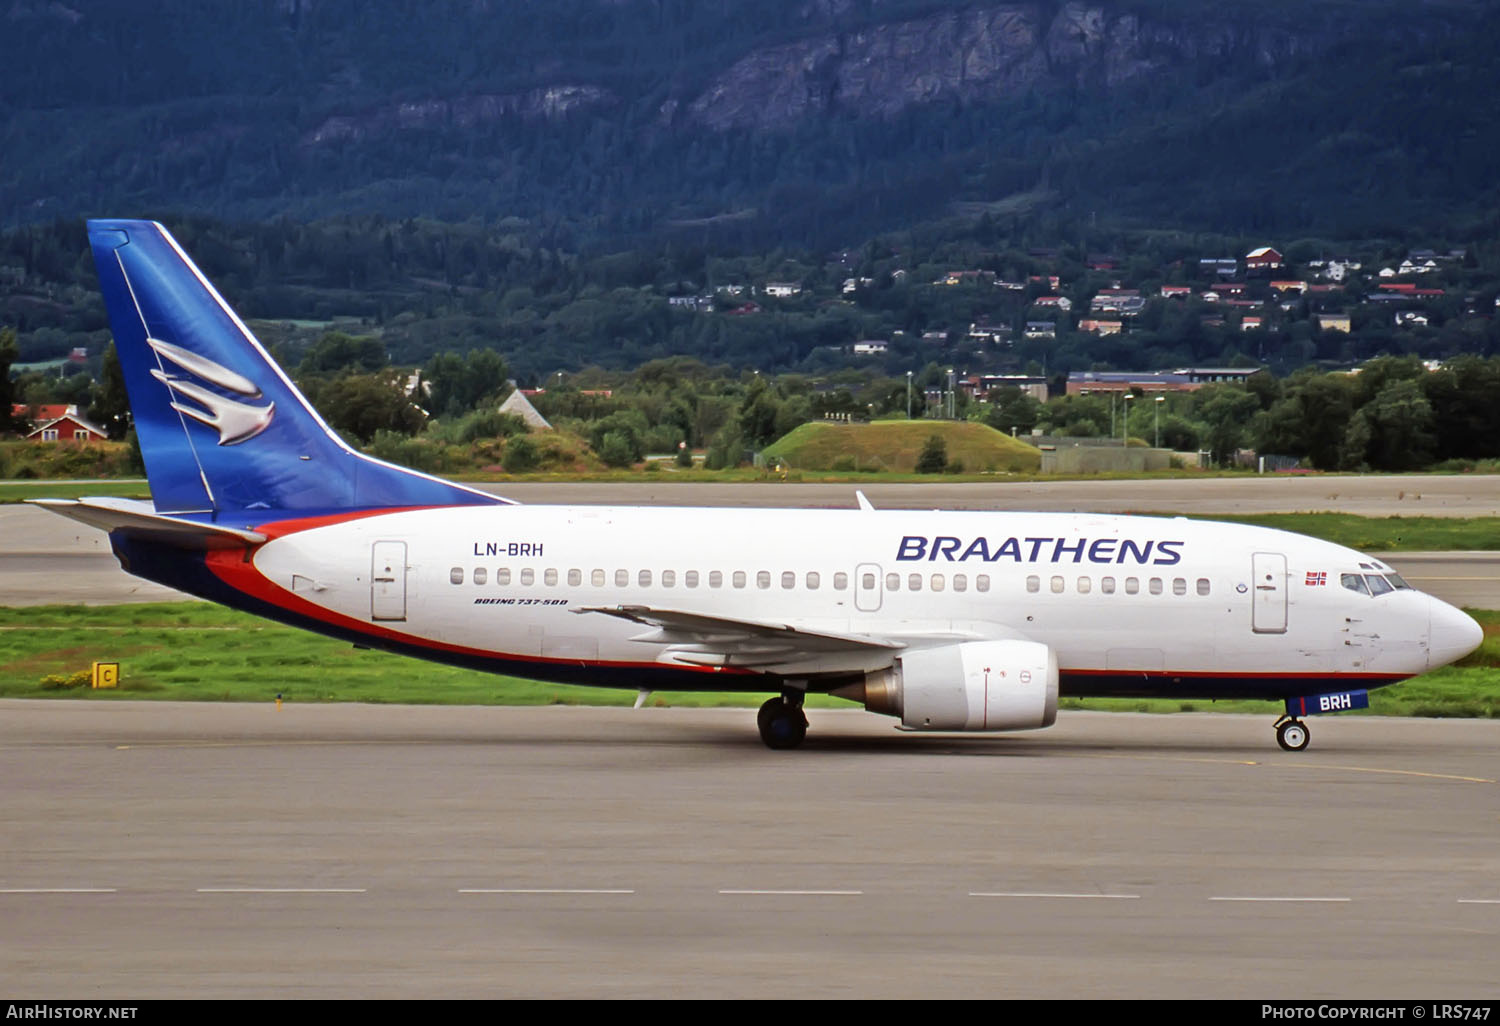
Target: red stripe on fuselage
point(236, 568)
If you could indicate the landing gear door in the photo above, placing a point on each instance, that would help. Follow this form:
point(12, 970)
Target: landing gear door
point(1268, 615)
point(388, 581)
point(867, 587)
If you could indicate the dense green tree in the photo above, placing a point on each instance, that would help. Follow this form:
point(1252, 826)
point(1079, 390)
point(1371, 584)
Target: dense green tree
point(9, 351)
point(360, 405)
point(110, 408)
point(934, 456)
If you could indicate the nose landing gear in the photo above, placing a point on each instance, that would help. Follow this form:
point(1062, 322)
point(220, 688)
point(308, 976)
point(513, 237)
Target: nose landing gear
point(1292, 734)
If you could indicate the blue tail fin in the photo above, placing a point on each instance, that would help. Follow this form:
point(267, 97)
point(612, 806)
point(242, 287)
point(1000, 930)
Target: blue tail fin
point(221, 427)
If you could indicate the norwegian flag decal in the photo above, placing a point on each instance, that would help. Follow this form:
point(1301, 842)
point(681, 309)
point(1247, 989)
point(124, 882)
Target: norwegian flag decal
point(1317, 578)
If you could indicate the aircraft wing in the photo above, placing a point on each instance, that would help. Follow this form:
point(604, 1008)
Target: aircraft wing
point(702, 640)
point(141, 519)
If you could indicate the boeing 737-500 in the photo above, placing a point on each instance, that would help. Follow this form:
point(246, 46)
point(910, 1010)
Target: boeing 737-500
point(950, 621)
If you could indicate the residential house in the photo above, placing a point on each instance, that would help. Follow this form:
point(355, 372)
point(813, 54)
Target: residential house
point(1250, 324)
point(1333, 322)
point(1041, 329)
point(1220, 267)
point(1263, 259)
point(783, 289)
point(68, 428)
point(871, 347)
point(1058, 302)
point(1176, 291)
point(1410, 319)
point(1101, 327)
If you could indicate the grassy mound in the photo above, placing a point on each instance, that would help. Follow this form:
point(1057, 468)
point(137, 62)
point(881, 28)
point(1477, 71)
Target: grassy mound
point(895, 446)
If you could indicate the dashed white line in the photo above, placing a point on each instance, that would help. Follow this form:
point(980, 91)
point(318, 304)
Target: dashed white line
point(544, 890)
point(1049, 894)
point(282, 890)
point(58, 890)
point(801, 893)
point(1479, 901)
point(1280, 899)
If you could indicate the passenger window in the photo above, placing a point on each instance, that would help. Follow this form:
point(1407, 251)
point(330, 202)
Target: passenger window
point(1057, 585)
point(716, 578)
point(762, 579)
point(869, 582)
point(622, 578)
point(960, 582)
point(596, 578)
point(1179, 586)
point(914, 582)
point(528, 576)
point(690, 579)
point(812, 580)
point(1107, 585)
point(1085, 585)
point(456, 575)
point(892, 582)
point(502, 576)
point(937, 582)
point(1132, 586)
point(788, 579)
point(982, 582)
point(479, 575)
point(738, 579)
point(840, 581)
point(1378, 585)
point(1156, 585)
point(575, 578)
point(669, 578)
point(549, 577)
point(643, 578)
point(1203, 586)
point(1033, 584)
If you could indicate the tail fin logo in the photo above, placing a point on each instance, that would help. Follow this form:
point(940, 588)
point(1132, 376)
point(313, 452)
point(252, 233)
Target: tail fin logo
point(235, 421)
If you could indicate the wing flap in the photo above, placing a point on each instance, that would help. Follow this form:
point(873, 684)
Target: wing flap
point(699, 639)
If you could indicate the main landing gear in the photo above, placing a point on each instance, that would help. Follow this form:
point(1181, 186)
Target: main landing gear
point(1291, 734)
point(781, 721)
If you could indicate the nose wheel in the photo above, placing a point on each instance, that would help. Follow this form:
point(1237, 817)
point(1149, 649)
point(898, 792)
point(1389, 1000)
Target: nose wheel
point(1291, 734)
point(782, 723)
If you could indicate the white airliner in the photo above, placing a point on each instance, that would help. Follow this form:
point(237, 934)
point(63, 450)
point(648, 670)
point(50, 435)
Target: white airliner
point(952, 621)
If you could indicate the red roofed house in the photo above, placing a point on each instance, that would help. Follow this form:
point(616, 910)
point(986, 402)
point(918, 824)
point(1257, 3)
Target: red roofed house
point(1263, 259)
point(67, 428)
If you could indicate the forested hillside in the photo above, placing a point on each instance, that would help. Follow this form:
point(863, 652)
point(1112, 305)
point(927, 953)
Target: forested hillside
point(757, 123)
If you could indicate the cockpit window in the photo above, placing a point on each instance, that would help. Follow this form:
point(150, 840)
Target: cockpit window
point(1378, 585)
point(1354, 582)
point(1398, 582)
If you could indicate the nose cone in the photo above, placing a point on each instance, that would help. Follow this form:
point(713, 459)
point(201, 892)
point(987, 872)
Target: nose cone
point(1452, 634)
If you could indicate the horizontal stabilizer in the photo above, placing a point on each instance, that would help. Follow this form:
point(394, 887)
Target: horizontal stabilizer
point(140, 519)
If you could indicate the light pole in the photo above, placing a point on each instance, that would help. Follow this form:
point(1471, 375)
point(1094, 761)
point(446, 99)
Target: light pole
point(1125, 421)
point(1157, 404)
point(908, 395)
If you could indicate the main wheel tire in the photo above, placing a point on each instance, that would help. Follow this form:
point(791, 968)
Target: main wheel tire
point(1293, 735)
point(782, 725)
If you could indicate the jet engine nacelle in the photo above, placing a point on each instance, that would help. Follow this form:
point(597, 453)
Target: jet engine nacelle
point(975, 685)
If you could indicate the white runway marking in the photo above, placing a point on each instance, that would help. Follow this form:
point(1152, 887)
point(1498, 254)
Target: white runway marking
point(1279, 899)
point(1047, 894)
point(544, 890)
point(803, 893)
point(57, 890)
point(282, 890)
point(1479, 901)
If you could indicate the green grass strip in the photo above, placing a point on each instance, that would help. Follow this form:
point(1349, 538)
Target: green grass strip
point(189, 651)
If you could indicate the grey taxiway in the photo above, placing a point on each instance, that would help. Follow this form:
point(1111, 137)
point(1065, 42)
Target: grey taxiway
point(182, 850)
